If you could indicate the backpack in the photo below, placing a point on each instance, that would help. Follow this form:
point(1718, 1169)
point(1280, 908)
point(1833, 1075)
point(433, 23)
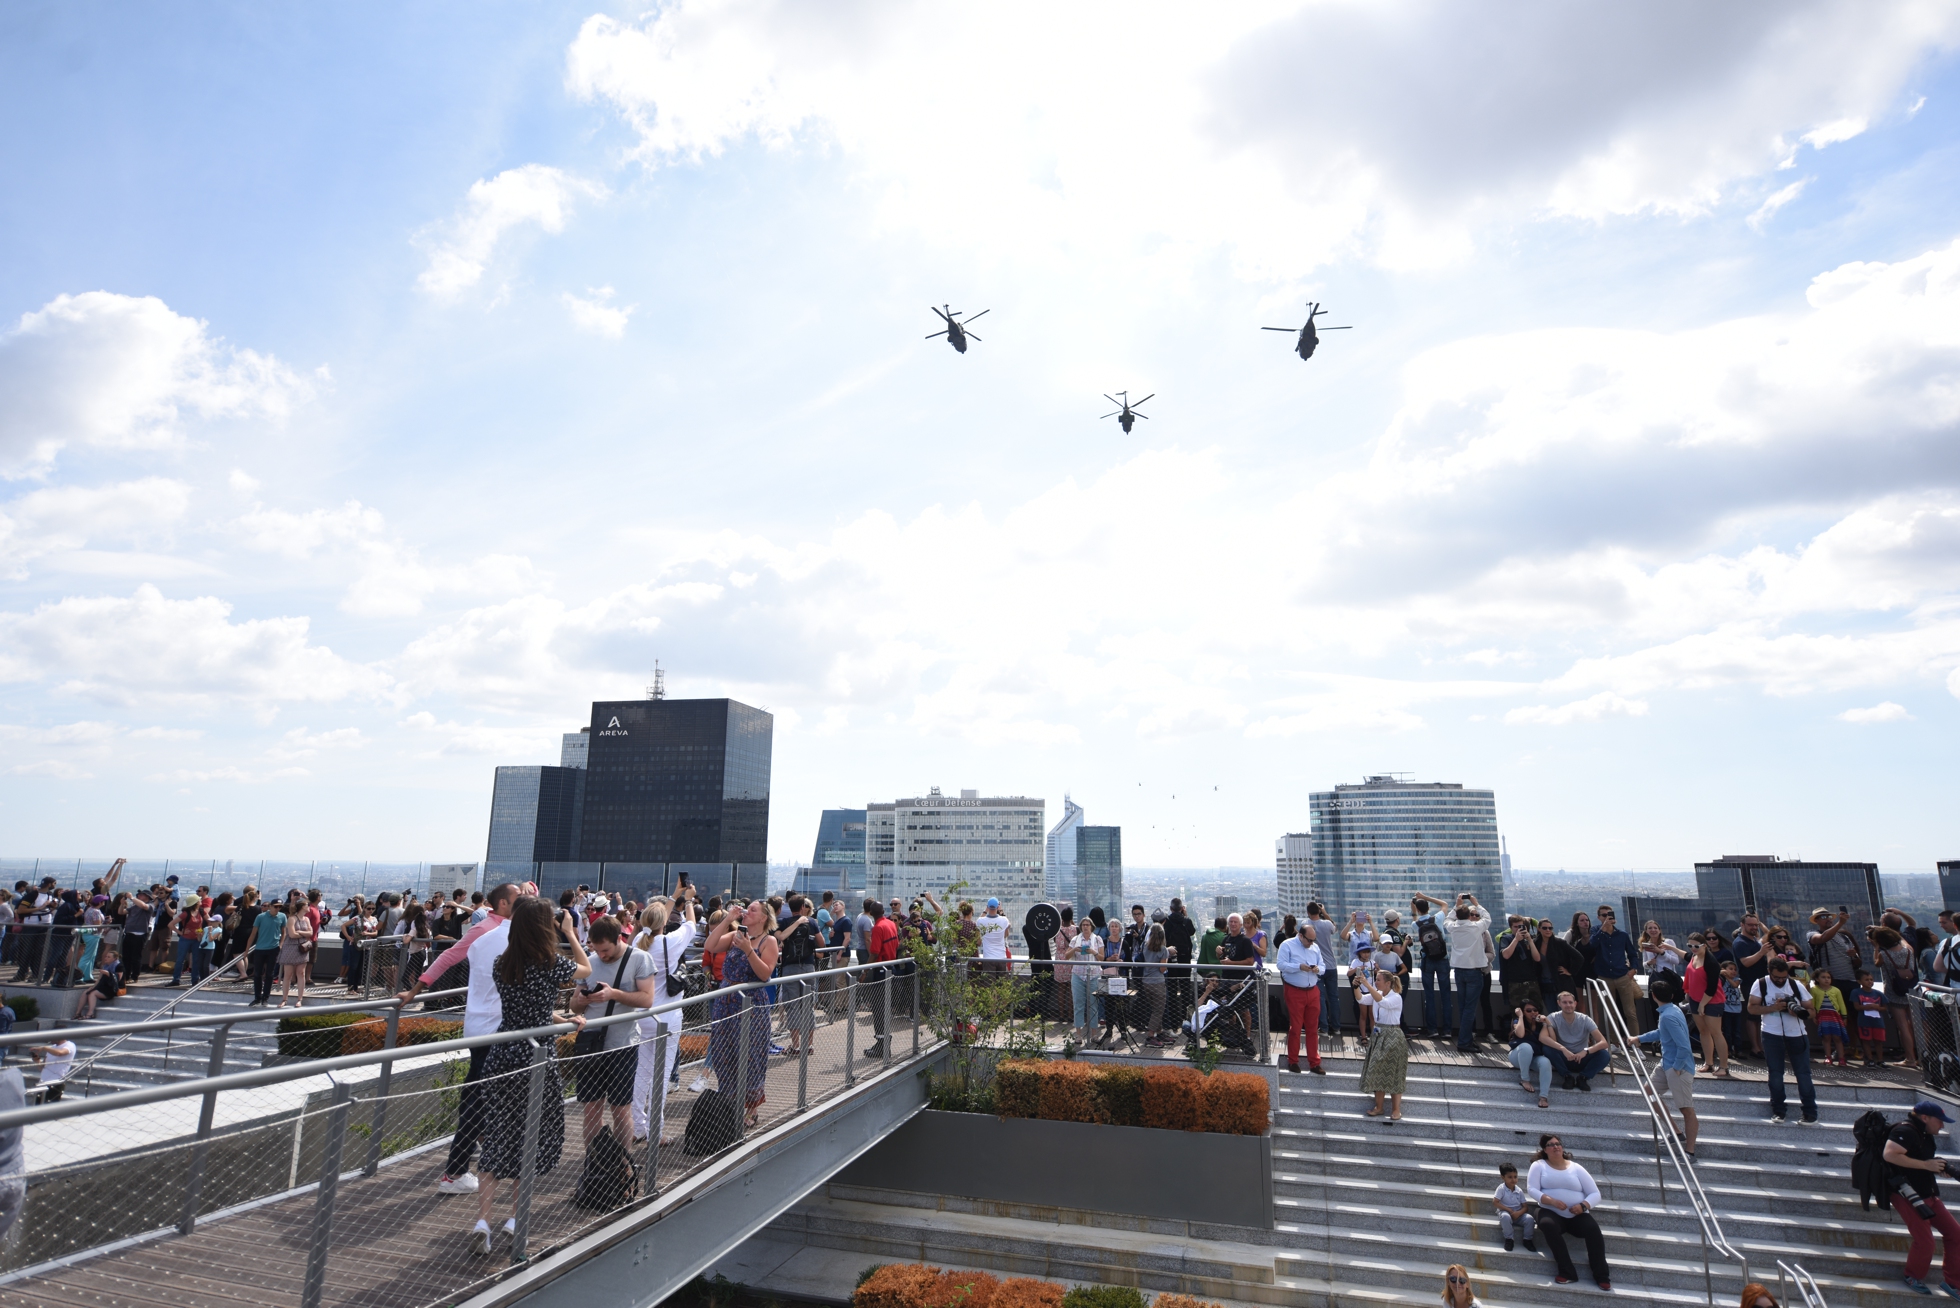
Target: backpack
point(609, 1178)
point(1870, 1177)
point(713, 1125)
point(1434, 947)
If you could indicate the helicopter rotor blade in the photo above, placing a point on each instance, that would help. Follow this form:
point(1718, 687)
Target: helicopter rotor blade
point(1111, 398)
point(983, 313)
point(1335, 329)
point(1110, 415)
point(1279, 329)
point(971, 337)
point(1135, 414)
point(935, 335)
point(1144, 398)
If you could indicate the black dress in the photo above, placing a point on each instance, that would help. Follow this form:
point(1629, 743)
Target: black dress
point(527, 1003)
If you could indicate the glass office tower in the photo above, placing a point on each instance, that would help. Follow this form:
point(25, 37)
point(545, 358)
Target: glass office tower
point(534, 818)
point(838, 862)
point(1099, 871)
point(677, 781)
point(1378, 843)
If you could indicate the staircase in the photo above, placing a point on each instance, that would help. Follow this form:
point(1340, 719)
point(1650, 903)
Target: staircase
point(1370, 1213)
point(168, 1056)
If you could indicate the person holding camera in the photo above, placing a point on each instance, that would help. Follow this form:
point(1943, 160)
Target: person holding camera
point(1782, 1002)
point(1909, 1153)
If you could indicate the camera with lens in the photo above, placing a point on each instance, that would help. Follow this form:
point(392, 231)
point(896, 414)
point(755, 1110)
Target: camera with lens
point(1913, 1198)
point(1795, 1006)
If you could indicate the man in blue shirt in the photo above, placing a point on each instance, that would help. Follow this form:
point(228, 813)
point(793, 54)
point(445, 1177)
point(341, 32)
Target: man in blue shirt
point(1677, 1059)
point(1615, 957)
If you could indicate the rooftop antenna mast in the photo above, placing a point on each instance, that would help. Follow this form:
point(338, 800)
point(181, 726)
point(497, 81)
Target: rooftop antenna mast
point(658, 690)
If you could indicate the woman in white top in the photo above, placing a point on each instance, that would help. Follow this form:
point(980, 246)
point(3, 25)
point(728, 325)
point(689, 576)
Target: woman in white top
point(1386, 1069)
point(1658, 953)
point(666, 944)
point(1565, 1195)
point(1085, 950)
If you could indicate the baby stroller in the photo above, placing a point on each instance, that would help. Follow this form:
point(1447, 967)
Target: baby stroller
point(1229, 1013)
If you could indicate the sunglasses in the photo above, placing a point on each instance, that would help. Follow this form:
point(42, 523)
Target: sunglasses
point(1459, 1280)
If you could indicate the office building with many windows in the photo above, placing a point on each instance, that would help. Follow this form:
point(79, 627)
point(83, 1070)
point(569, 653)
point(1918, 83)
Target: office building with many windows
point(1293, 854)
point(534, 818)
point(575, 748)
point(1058, 880)
point(1949, 870)
point(994, 845)
point(1099, 871)
point(838, 861)
point(1782, 892)
point(677, 781)
point(1378, 843)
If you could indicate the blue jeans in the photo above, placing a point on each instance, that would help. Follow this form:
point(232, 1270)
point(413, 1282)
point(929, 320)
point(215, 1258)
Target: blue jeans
point(1522, 1058)
point(1584, 1068)
point(1435, 1014)
point(1470, 984)
point(1330, 1001)
point(1796, 1051)
point(1081, 987)
point(186, 957)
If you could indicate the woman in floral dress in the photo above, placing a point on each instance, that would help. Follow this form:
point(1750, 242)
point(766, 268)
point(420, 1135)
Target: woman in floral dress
point(749, 953)
point(530, 973)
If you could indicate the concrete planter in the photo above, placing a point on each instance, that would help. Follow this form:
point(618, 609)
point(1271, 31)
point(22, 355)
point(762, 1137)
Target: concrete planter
point(1221, 1179)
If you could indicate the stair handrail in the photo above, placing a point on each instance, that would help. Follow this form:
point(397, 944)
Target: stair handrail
point(1606, 1006)
point(86, 1067)
point(1813, 1297)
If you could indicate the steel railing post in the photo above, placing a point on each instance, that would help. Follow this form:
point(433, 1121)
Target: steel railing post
point(388, 1038)
point(322, 1236)
point(1265, 1021)
point(885, 1039)
point(850, 1028)
point(915, 1010)
point(527, 1172)
point(742, 1069)
point(200, 1155)
point(805, 1038)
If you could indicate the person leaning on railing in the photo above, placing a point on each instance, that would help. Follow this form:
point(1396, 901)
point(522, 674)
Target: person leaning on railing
point(1677, 1057)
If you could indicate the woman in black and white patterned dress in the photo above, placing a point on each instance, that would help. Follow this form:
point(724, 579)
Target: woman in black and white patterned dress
point(530, 973)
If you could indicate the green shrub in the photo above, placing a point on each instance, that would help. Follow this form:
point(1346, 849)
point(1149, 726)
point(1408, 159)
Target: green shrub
point(26, 1007)
point(1103, 1296)
point(1121, 1091)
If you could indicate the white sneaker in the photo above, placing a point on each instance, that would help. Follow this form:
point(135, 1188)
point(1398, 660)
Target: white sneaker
point(464, 1184)
point(480, 1238)
point(699, 1084)
point(510, 1227)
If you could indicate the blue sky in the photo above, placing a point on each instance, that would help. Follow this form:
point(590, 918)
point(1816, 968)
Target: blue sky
point(378, 386)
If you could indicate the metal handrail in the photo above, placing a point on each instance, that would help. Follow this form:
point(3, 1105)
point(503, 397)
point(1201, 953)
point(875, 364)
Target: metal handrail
point(1813, 1297)
point(211, 1085)
point(1604, 1003)
point(87, 1065)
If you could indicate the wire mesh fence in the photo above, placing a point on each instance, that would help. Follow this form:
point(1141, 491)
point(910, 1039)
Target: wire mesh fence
point(332, 1179)
point(1935, 1014)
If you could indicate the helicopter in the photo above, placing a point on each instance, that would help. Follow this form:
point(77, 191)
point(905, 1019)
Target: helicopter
point(956, 332)
point(1126, 413)
point(1309, 336)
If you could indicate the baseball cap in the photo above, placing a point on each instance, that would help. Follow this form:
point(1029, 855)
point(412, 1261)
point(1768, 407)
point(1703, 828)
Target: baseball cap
point(1363, 947)
point(1929, 1108)
point(993, 903)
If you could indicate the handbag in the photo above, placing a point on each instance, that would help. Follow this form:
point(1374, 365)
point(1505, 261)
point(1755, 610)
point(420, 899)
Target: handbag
point(712, 1126)
point(594, 1042)
point(676, 987)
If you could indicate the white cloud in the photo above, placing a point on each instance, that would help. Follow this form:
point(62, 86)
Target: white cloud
point(1886, 711)
point(302, 743)
point(1025, 127)
point(244, 483)
point(476, 740)
point(1603, 705)
point(58, 769)
point(534, 194)
point(151, 650)
point(66, 518)
point(230, 772)
point(1769, 208)
point(124, 372)
point(596, 316)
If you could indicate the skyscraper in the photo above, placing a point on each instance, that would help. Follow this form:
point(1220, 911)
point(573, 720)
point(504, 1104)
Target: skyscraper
point(1099, 871)
point(1378, 843)
point(934, 841)
point(534, 818)
point(838, 863)
point(1058, 877)
point(1293, 853)
point(574, 750)
point(677, 781)
point(1949, 870)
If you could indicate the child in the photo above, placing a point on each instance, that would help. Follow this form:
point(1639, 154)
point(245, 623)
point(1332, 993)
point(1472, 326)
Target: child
point(1871, 1020)
point(1733, 1030)
point(1827, 1007)
point(1510, 1204)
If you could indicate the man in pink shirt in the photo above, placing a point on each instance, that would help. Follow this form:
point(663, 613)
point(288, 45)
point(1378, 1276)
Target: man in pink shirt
point(482, 1015)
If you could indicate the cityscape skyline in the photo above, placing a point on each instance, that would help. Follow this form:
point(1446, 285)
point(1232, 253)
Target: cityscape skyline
point(314, 426)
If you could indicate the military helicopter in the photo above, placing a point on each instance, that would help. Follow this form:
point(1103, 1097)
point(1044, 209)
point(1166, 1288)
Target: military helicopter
point(956, 332)
point(1309, 337)
point(1126, 413)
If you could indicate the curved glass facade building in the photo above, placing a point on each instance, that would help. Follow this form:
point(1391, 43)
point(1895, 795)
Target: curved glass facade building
point(1377, 844)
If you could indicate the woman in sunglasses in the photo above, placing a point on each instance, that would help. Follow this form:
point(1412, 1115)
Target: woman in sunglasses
point(1456, 1288)
point(1566, 1195)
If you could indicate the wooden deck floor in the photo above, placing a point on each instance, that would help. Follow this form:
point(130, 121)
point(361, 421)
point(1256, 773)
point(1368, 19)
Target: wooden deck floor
point(397, 1243)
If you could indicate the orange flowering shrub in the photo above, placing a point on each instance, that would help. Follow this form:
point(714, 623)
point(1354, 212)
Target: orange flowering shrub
point(1017, 1088)
point(1182, 1301)
point(1119, 1087)
point(364, 1037)
point(1173, 1099)
point(1026, 1292)
point(1236, 1103)
point(961, 1290)
point(896, 1285)
point(1068, 1093)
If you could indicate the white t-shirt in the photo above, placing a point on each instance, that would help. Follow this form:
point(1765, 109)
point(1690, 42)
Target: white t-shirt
point(638, 967)
point(666, 953)
point(993, 935)
point(1510, 1198)
point(60, 1057)
point(1779, 1022)
point(483, 1010)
